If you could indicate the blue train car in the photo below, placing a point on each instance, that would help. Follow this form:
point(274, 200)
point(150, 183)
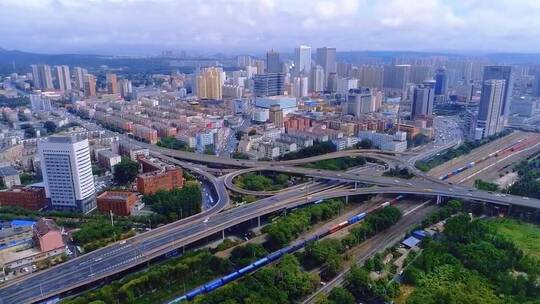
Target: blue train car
point(274, 255)
point(246, 269)
point(357, 218)
point(312, 239)
point(230, 277)
point(215, 284)
point(195, 292)
point(260, 262)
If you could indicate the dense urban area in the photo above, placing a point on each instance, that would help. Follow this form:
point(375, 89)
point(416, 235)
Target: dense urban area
point(294, 176)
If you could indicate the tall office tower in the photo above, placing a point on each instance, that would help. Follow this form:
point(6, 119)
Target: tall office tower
point(260, 65)
point(317, 79)
point(273, 63)
point(63, 78)
point(490, 118)
point(270, 84)
point(276, 115)
point(422, 101)
point(243, 61)
point(126, 89)
point(441, 81)
point(502, 72)
point(396, 77)
point(79, 75)
point(209, 83)
point(419, 73)
point(358, 102)
point(331, 82)
point(300, 86)
point(112, 83)
point(89, 85)
point(344, 70)
point(302, 60)
point(371, 76)
point(67, 173)
point(326, 58)
point(536, 83)
point(42, 77)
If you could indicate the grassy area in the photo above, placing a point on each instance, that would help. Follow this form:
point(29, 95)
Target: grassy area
point(261, 182)
point(525, 235)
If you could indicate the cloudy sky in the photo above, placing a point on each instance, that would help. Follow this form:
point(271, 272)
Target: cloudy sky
point(250, 26)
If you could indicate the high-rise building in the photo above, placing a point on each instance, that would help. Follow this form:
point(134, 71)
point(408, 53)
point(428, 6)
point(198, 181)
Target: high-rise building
point(63, 78)
point(419, 73)
point(371, 77)
point(300, 86)
point(302, 60)
point(269, 84)
point(490, 119)
point(536, 85)
point(40, 103)
point(42, 77)
point(112, 83)
point(67, 173)
point(275, 115)
point(326, 58)
point(273, 63)
point(502, 72)
point(126, 88)
point(317, 79)
point(89, 85)
point(396, 77)
point(422, 101)
point(243, 61)
point(79, 75)
point(209, 83)
point(359, 101)
point(441, 82)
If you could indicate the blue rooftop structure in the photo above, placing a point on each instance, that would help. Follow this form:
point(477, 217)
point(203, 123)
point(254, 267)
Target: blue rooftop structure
point(22, 223)
point(410, 242)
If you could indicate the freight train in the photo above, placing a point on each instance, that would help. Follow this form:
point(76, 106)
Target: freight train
point(517, 146)
point(217, 283)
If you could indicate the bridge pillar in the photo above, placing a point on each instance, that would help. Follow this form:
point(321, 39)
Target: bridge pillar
point(346, 199)
point(258, 221)
point(439, 200)
point(223, 234)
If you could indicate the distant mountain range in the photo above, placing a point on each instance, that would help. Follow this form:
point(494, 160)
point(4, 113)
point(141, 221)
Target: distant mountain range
point(22, 60)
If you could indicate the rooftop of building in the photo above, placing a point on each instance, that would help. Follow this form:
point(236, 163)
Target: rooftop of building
point(116, 195)
point(8, 171)
point(44, 226)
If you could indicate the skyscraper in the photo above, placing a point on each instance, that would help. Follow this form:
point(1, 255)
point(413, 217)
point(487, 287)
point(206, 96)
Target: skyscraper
point(63, 78)
point(269, 84)
point(209, 83)
point(126, 88)
point(326, 58)
point(490, 118)
point(42, 77)
point(371, 77)
point(396, 77)
point(300, 86)
point(422, 101)
point(502, 72)
point(276, 115)
point(67, 173)
point(419, 73)
point(89, 85)
point(79, 75)
point(359, 101)
point(112, 83)
point(441, 82)
point(302, 60)
point(536, 85)
point(273, 63)
point(317, 79)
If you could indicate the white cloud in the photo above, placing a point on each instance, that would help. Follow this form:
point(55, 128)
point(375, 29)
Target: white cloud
point(234, 25)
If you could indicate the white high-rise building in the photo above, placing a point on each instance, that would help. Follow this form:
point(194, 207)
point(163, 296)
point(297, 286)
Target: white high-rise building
point(79, 75)
point(63, 78)
point(40, 103)
point(300, 87)
point(317, 79)
point(67, 173)
point(42, 77)
point(490, 118)
point(302, 60)
point(326, 58)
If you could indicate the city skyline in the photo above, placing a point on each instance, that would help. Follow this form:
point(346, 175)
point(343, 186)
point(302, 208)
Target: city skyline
point(142, 27)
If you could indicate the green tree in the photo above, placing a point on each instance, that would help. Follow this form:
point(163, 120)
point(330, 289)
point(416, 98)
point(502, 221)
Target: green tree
point(50, 126)
point(340, 295)
point(365, 144)
point(126, 171)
